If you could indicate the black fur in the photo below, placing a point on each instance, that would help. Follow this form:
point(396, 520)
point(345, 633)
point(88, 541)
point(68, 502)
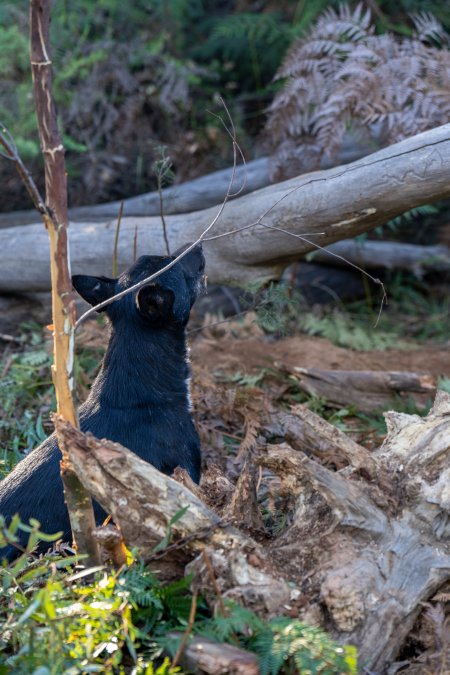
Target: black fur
point(140, 397)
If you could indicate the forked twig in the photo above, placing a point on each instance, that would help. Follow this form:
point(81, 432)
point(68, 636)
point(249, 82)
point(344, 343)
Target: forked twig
point(7, 141)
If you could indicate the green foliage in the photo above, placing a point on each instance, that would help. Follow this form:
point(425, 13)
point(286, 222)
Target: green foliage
point(412, 311)
point(157, 608)
point(51, 625)
point(444, 384)
point(292, 646)
point(404, 220)
point(26, 392)
point(249, 45)
point(421, 312)
point(346, 331)
point(60, 620)
point(280, 309)
point(26, 384)
point(57, 618)
point(277, 308)
point(282, 645)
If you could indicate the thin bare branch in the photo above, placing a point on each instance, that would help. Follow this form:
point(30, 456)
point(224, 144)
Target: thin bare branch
point(7, 141)
point(146, 281)
point(116, 240)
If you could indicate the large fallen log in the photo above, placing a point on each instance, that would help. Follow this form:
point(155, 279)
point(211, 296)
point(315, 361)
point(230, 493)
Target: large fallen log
point(192, 195)
point(386, 254)
point(367, 390)
point(335, 204)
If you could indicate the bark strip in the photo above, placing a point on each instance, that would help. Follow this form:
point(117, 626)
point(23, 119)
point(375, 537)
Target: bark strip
point(56, 222)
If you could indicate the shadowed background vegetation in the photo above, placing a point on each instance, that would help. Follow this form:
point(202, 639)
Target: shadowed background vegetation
point(130, 78)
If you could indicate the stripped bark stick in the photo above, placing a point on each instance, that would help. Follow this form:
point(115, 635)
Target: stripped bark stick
point(55, 216)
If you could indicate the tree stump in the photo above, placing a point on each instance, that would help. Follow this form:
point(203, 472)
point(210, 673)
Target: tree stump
point(383, 547)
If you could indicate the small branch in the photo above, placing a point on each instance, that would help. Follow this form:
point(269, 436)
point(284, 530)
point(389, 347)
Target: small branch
point(116, 240)
point(188, 630)
point(162, 168)
point(7, 141)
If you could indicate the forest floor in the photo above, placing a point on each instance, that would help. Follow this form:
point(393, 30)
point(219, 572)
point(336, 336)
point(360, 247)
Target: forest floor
point(240, 374)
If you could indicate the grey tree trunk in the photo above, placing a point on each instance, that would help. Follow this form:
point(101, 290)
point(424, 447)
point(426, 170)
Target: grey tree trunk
point(333, 204)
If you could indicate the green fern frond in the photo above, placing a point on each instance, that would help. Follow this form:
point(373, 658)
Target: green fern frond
point(35, 359)
point(344, 332)
point(286, 642)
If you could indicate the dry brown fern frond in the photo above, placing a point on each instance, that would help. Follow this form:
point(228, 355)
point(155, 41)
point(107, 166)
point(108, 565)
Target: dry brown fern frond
point(342, 76)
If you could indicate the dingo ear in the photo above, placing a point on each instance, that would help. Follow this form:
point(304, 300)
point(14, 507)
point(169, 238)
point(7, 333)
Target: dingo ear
point(154, 302)
point(94, 289)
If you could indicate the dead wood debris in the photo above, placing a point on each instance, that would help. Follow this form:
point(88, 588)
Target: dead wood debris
point(367, 390)
point(365, 538)
point(202, 655)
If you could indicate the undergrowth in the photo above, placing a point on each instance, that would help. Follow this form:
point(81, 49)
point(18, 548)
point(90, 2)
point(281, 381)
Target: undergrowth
point(26, 391)
point(414, 311)
point(56, 617)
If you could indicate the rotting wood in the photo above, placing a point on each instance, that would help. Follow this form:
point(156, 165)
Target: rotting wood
point(377, 562)
point(243, 509)
point(338, 203)
point(369, 549)
point(202, 655)
point(365, 389)
point(305, 430)
point(143, 502)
